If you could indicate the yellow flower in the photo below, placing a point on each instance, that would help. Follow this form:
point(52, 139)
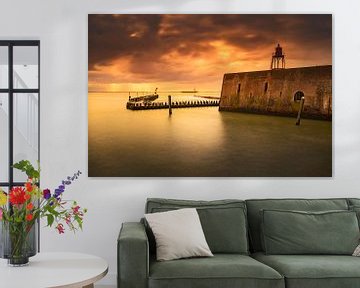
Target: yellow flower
point(3, 198)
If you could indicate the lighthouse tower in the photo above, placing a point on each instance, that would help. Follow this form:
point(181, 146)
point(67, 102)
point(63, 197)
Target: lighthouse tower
point(278, 58)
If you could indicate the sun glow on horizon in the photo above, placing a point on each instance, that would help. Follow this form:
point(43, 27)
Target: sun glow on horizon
point(183, 52)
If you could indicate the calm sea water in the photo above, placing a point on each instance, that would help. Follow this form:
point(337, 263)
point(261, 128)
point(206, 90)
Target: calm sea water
point(202, 142)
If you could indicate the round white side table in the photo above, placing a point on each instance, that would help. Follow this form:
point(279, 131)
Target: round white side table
point(50, 270)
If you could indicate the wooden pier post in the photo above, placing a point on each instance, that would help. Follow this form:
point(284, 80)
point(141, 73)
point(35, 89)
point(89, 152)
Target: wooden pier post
point(169, 100)
point(300, 111)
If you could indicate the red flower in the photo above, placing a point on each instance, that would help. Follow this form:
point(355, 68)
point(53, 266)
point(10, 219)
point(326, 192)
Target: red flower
point(27, 196)
point(29, 187)
point(68, 219)
point(75, 209)
point(17, 196)
point(29, 206)
point(60, 228)
point(29, 217)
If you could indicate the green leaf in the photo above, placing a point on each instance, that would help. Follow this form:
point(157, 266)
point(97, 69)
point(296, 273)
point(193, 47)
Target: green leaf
point(28, 168)
point(50, 219)
point(53, 211)
point(79, 221)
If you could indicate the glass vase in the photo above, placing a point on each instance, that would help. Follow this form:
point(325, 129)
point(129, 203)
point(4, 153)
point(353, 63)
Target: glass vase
point(18, 242)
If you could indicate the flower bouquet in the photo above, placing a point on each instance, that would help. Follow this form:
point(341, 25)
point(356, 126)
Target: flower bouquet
point(21, 208)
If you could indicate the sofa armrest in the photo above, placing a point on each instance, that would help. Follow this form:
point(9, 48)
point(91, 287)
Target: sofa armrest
point(133, 256)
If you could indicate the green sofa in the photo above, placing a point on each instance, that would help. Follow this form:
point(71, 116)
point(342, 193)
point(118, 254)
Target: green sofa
point(235, 234)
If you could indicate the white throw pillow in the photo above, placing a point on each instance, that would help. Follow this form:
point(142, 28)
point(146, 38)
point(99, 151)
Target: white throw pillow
point(357, 251)
point(178, 234)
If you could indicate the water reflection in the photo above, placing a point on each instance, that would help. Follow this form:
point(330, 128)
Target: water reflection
point(201, 142)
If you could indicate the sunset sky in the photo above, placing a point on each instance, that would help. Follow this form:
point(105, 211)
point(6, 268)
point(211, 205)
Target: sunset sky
point(182, 52)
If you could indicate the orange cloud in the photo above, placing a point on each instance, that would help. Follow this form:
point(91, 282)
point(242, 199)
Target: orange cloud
point(177, 52)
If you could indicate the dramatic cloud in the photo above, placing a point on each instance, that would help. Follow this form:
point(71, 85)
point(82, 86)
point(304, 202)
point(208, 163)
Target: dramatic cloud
point(131, 52)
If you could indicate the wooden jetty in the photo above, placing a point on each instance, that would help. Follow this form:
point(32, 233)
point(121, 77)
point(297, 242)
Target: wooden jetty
point(174, 104)
point(144, 98)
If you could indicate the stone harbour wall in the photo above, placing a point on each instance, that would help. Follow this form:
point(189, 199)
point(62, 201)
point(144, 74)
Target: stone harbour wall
point(278, 92)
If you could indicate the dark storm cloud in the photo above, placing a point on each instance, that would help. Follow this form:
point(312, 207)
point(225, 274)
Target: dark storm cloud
point(299, 34)
point(144, 39)
point(110, 36)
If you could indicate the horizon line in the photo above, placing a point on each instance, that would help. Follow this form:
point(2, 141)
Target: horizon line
point(173, 91)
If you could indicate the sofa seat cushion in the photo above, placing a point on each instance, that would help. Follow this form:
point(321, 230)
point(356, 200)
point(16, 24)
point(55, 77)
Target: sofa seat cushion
point(222, 270)
point(314, 271)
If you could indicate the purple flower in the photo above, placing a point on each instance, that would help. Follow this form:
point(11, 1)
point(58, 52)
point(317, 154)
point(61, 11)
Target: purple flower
point(58, 192)
point(46, 194)
point(64, 183)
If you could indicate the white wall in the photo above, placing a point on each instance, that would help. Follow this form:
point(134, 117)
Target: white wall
point(61, 25)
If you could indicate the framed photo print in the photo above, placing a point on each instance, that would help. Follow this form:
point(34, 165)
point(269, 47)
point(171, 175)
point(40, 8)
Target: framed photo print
point(210, 95)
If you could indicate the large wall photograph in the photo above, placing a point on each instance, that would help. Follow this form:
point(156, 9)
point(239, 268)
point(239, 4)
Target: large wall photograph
point(186, 95)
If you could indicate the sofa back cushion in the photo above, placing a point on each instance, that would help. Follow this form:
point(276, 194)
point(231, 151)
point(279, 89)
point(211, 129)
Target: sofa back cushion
point(298, 232)
point(354, 205)
point(255, 206)
point(353, 202)
point(223, 221)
